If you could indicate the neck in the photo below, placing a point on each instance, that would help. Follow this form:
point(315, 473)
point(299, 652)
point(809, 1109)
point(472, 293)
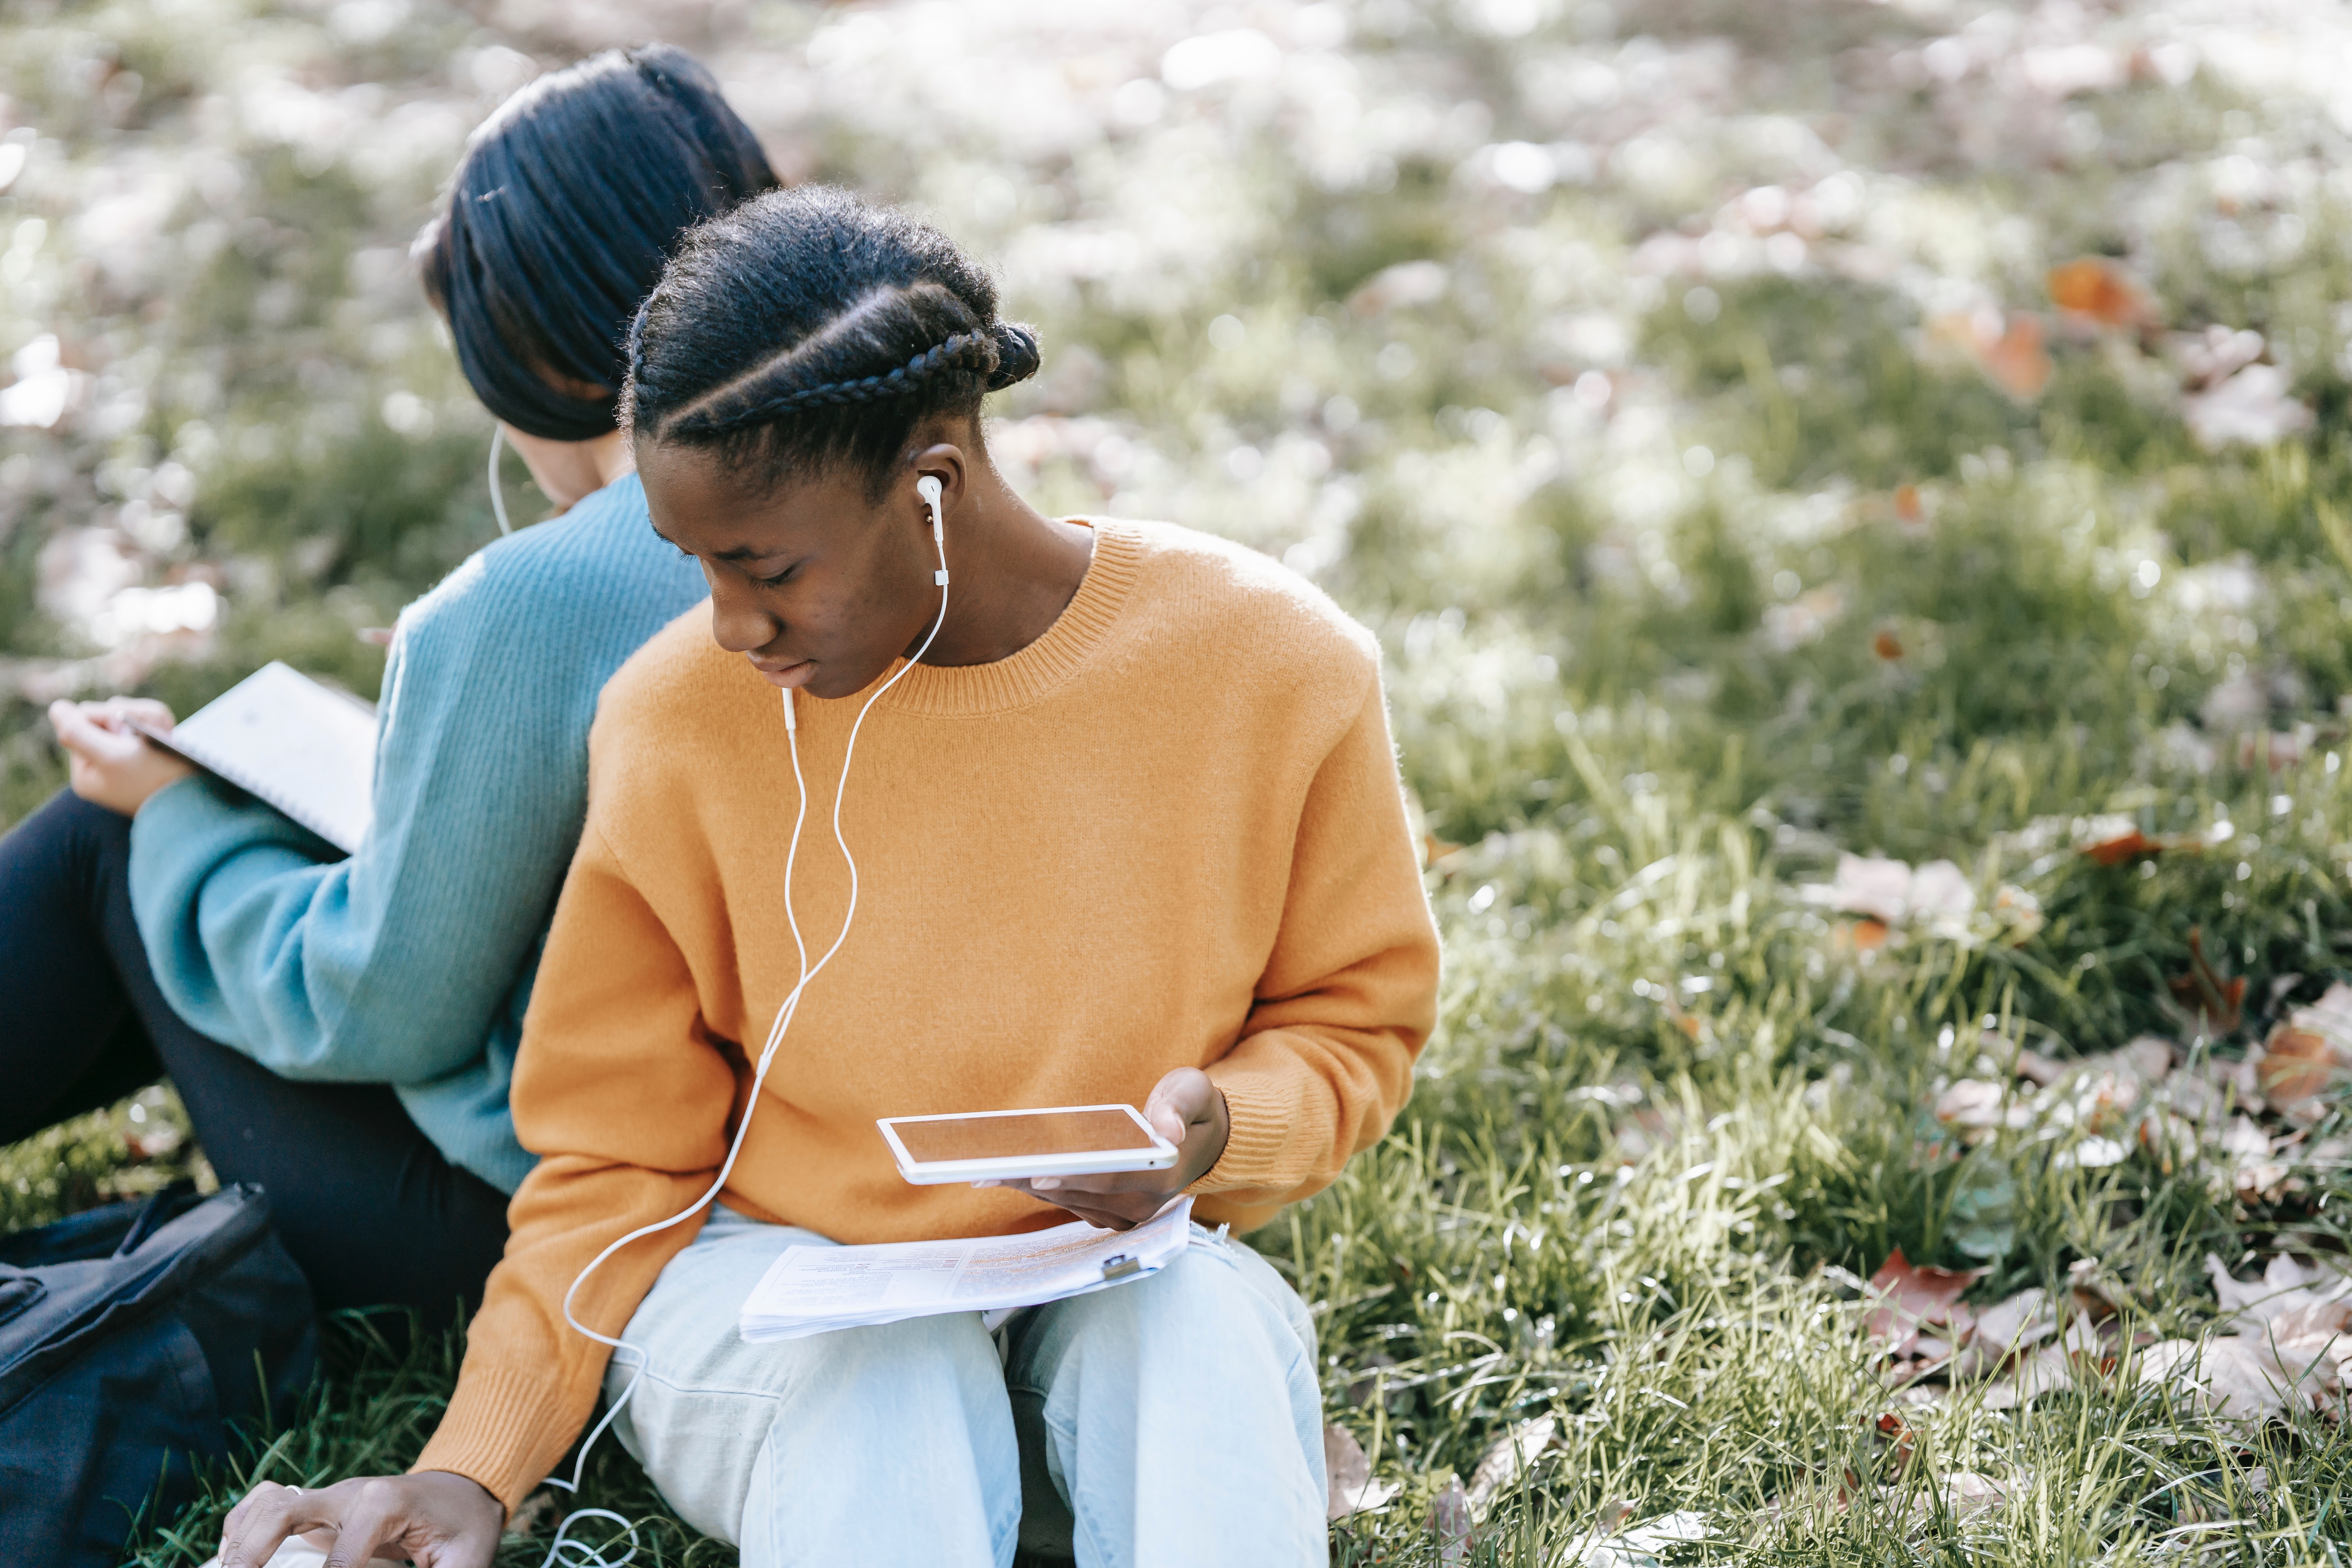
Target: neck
point(1014, 570)
point(610, 456)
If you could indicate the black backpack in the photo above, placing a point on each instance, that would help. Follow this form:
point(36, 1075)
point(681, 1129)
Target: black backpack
point(130, 1338)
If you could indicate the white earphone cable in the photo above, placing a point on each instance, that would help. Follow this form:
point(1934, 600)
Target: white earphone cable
point(578, 1553)
point(499, 490)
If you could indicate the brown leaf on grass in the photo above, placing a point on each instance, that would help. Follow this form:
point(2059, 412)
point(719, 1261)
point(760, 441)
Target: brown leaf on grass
point(1887, 644)
point(2299, 1064)
point(1450, 1522)
point(1349, 1476)
point(2205, 994)
point(1863, 935)
point(155, 1143)
point(1906, 1299)
point(2016, 361)
point(1506, 1459)
point(2008, 350)
point(1907, 507)
point(2130, 845)
point(1901, 1439)
point(2095, 287)
point(533, 1511)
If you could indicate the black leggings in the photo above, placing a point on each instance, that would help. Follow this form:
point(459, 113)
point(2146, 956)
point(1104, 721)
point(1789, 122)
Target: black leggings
point(370, 1209)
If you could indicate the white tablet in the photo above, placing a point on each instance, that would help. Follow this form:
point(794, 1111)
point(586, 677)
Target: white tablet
point(998, 1145)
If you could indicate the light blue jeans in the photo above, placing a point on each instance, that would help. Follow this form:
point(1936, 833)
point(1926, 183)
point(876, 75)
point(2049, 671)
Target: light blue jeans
point(1177, 1419)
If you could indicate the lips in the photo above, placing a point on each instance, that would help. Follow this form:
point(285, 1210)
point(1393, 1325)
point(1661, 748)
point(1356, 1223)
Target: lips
point(785, 674)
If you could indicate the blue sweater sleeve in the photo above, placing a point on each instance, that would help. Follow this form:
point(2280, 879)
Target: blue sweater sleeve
point(395, 964)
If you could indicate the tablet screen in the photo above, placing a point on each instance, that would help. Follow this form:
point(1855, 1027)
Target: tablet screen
point(1013, 1137)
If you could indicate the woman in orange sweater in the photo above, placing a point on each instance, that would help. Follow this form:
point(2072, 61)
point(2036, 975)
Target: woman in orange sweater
point(1126, 828)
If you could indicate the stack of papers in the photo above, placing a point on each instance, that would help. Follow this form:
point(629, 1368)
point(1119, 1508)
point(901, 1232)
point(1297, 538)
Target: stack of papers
point(815, 1290)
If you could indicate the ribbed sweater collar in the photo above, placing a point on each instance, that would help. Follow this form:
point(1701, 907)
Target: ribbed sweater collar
point(1037, 670)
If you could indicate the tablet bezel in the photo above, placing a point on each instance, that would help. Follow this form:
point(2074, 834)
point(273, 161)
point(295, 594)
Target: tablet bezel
point(1160, 1156)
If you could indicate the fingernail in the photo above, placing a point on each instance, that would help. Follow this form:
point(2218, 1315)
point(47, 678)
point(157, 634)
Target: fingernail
point(1045, 1183)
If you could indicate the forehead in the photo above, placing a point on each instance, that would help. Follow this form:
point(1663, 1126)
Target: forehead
point(703, 506)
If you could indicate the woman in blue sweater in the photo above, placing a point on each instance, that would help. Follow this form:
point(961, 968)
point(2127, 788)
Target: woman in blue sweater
point(342, 1030)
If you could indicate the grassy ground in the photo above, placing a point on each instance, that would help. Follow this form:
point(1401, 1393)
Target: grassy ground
point(1680, 390)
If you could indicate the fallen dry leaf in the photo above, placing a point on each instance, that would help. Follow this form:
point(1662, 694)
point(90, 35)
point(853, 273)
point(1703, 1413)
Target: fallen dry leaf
point(1450, 1522)
point(1350, 1473)
point(2016, 361)
point(2095, 287)
point(2047, 1370)
point(1637, 1548)
point(1907, 1297)
point(2009, 351)
point(1863, 935)
point(2130, 845)
point(2226, 1376)
point(2205, 994)
point(1967, 1493)
point(2007, 1328)
point(1508, 1457)
point(1887, 644)
point(2250, 408)
point(1902, 1441)
point(2295, 1063)
point(2039, 1070)
point(1976, 1107)
point(1907, 507)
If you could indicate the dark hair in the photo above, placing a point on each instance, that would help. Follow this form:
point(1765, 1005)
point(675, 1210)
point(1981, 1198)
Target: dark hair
point(810, 329)
point(567, 203)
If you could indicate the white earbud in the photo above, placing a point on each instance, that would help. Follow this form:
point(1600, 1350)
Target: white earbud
point(928, 487)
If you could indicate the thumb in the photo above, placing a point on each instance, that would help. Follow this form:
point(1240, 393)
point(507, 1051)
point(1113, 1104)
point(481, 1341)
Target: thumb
point(1176, 1101)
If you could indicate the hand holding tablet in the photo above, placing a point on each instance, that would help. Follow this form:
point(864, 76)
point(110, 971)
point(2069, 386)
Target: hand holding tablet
point(1104, 1164)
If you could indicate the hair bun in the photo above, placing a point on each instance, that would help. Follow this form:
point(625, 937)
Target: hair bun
point(1017, 354)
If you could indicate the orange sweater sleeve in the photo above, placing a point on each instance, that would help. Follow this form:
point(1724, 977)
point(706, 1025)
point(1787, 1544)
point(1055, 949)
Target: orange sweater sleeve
point(625, 1099)
point(1349, 991)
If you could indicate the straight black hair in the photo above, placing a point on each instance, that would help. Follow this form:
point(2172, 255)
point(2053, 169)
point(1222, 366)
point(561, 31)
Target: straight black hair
point(807, 330)
point(567, 203)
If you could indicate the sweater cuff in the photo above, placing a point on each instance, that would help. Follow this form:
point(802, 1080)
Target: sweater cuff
point(1259, 1132)
point(500, 1422)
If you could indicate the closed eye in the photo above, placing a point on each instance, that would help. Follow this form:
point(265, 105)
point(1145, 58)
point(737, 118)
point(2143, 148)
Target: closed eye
point(780, 578)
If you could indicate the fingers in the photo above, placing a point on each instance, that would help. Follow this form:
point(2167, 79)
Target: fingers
point(91, 733)
point(142, 710)
point(1109, 1210)
point(269, 1516)
point(373, 1518)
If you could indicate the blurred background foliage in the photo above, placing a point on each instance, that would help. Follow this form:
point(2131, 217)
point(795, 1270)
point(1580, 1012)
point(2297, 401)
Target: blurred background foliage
point(1759, 435)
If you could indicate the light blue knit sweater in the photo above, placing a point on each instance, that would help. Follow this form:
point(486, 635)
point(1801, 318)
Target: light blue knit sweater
point(411, 961)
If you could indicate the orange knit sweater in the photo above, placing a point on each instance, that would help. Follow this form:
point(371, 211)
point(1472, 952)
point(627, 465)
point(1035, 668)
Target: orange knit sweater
point(1168, 833)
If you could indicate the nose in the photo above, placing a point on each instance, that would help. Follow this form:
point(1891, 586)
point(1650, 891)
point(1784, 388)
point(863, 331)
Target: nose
point(738, 623)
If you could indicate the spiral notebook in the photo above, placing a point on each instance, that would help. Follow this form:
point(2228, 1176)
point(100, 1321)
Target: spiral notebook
point(303, 747)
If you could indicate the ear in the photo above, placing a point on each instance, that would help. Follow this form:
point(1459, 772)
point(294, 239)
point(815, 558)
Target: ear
point(952, 466)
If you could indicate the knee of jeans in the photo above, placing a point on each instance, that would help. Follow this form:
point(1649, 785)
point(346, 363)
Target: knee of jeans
point(953, 1344)
point(1204, 1291)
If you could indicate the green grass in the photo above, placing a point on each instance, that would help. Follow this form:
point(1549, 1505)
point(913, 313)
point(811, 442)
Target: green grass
point(1636, 654)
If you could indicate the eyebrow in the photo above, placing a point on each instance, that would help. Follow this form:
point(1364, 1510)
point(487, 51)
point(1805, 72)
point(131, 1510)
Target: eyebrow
point(740, 553)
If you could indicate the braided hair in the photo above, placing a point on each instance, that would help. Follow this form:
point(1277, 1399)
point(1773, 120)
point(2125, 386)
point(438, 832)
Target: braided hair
point(807, 330)
point(567, 203)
